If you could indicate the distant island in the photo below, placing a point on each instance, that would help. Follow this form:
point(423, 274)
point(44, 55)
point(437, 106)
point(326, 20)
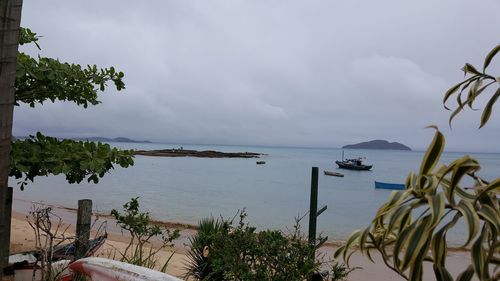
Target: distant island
point(195, 153)
point(378, 144)
point(118, 139)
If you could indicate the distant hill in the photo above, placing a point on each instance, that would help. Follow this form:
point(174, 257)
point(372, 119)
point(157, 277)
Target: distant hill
point(118, 139)
point(378, 144)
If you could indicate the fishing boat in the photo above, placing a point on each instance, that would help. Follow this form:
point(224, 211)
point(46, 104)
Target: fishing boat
point(335, 174)
point(26, 264)
point(386, 185)
point(260, 162)
point(353, 164)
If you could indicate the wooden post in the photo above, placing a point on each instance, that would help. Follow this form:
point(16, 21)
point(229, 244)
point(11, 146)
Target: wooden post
point(313, 218)
point(313, 209)
point(83, 222)
point(5, 219)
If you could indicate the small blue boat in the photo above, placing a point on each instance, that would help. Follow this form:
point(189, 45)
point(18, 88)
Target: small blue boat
point(385, 185)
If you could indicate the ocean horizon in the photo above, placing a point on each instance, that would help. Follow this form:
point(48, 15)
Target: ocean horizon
point(187, 189)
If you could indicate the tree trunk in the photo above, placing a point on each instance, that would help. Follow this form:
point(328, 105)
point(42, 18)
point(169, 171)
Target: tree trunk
point(10, 18)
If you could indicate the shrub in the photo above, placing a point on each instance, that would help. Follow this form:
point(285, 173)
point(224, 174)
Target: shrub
point(222, 251)
point(140, 250)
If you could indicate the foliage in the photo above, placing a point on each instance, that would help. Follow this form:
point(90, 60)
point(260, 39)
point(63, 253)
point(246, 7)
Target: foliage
point(341, 271)
point(411, 227)
point(42, 79)
point(41, 155)
point(476, 84)
point(27, 36)
point(140, 250)
point(221, 251)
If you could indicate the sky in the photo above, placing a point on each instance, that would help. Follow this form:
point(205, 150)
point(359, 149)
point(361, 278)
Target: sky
point(261, 72)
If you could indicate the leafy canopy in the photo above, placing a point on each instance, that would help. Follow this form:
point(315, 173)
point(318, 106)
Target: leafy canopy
point(41, 155)
point(41, 79)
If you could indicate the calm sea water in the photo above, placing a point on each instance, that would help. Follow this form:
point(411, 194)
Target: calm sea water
point(188, 189)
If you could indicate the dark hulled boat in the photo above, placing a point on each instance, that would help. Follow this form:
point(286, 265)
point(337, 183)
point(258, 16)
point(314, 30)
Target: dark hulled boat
point(353, 164)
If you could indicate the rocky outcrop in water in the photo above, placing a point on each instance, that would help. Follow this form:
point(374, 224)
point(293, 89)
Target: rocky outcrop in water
point(196, 153)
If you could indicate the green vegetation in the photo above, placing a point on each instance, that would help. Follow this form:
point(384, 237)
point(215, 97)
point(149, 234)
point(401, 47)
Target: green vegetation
point(411, 227)
point(140, 250)
point(46, 79)
point(224, 251)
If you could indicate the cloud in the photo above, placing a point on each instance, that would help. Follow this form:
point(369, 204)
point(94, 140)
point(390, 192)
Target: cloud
point(319, 73)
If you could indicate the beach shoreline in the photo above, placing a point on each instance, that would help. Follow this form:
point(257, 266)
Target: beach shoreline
point(22, 239)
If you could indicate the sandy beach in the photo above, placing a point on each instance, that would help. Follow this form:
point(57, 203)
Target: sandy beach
point(22, 239)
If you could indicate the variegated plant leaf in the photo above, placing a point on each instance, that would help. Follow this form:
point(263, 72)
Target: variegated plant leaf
point(489, 107)
point(490, 56)
point(471, 219)
point(433, 153)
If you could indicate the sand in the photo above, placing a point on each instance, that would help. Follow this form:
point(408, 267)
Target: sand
point(22, 239)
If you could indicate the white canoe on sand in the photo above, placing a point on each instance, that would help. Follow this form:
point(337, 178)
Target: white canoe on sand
point(100, 269)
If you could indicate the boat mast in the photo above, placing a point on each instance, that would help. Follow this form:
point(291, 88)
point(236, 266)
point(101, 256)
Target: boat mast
point(342, 155)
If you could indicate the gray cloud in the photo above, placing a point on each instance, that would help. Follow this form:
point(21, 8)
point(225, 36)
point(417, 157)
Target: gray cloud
point(315, 73)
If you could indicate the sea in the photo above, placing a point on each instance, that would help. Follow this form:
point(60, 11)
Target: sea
point(187, 189)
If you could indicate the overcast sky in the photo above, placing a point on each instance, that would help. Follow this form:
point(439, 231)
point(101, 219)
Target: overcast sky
point(294, 73)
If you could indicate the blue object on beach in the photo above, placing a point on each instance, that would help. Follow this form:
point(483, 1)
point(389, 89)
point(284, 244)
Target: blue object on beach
point(385, 185)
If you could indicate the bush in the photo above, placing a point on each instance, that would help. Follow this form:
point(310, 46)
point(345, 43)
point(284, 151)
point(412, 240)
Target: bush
point(221, 251)
point(140, 250)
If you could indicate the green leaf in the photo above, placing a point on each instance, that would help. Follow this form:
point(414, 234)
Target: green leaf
point(416, 270)
point(491, 215)
point(489, 106)
point(362, 240)
point(433, 153)
point(490, 56)
point(352, 238)
point(469, 68)
point(442, 273)
point(493, 187)
point(450, 92)
point(463, 166)
point(467, 274)
point(436, 205)
point(471, 219)
point(478, 257)
point(420, 236)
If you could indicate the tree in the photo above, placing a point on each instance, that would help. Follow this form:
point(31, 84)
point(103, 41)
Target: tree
point(411, 227)
point(38, 80)
point(10, 13)
point(46, 79)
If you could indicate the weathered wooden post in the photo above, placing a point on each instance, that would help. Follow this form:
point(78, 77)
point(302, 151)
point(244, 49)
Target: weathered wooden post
point(313, 210)
point(5, 219)
point(313, 207)
point(313, 216)
point(83, 222)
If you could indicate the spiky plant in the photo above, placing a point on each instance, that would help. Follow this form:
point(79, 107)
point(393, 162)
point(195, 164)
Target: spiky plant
point(199, 265)
point(411, 228)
